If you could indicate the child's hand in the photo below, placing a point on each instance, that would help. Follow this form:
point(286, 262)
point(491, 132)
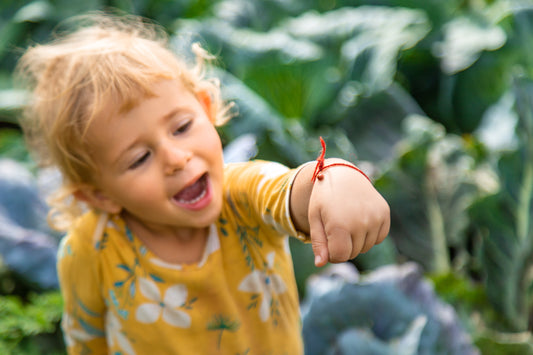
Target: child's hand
point(347, 216)
point(344, 214)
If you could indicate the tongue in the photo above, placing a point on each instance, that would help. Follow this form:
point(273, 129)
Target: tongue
point(191, 192)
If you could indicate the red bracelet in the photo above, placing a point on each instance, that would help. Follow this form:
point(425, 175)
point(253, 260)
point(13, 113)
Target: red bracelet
point(320, 165)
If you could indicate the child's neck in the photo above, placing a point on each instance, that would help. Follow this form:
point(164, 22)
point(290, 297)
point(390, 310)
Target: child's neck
point(176, 246)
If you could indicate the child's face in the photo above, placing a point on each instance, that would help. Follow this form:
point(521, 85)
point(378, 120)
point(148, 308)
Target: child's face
point(161, 163)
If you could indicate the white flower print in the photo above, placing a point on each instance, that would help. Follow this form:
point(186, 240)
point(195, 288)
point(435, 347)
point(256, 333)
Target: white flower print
point(115, 335)
point(265, 283)
point(286, 245)
point(73, 335)
point(267, 217)
point(271, 171)
point(112, 224)
point(167, 307)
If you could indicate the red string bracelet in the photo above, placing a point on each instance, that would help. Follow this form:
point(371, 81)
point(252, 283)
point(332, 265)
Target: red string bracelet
point(320, 165)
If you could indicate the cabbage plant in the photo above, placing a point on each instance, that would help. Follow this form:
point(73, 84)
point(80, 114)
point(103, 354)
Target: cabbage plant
point(27, 247)
point(392, 310)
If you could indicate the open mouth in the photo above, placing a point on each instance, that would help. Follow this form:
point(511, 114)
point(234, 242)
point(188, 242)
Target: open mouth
point(193, 193)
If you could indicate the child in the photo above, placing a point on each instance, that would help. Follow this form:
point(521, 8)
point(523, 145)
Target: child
point(171, 251)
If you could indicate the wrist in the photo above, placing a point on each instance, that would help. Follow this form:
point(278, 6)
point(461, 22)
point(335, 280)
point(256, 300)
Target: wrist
point(321, 166)
point(337, 163)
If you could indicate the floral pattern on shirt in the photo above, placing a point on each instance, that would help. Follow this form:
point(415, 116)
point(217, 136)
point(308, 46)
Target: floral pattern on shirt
point(243, 286)
point(267, 285)
point(166, 307)
point(116, 336)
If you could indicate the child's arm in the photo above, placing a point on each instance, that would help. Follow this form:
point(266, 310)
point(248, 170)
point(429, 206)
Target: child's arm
point(343, 213)
point(83, 321)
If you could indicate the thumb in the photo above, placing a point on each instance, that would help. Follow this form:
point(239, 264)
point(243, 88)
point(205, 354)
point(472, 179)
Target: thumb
point(319, 241)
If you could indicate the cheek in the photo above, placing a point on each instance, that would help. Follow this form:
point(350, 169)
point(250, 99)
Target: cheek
point(215, 158)
point(141, 187)
point(213, 145)
point(139, 198)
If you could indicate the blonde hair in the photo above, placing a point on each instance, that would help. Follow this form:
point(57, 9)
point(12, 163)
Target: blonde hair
point(74, 77)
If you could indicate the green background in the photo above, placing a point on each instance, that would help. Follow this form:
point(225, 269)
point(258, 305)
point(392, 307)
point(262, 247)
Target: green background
point(432, 98)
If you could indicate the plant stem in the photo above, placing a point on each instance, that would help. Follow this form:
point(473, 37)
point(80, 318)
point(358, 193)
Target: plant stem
point(524, 202)
point(441, 258)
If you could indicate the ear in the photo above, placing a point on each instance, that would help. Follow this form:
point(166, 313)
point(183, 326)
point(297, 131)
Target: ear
point(97, 199)
point(205, 100)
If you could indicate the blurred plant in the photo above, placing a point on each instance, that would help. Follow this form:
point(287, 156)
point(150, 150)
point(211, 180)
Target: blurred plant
point(504, 222)
point(419, 93)
point(23, 326)
point(435, 178)
point(471, 303)
point(23, 229)
point(392, 310)
point(310, 69)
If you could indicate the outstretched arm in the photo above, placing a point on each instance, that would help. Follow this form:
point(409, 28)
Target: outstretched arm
point(343, 213)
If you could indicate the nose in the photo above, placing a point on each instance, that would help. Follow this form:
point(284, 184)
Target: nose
point(175, 158)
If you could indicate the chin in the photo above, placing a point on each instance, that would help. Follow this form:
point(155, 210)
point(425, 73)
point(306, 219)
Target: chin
point(207, 217)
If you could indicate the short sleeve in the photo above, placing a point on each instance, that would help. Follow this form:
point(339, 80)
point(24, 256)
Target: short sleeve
point(84, 307)
point(262, 189)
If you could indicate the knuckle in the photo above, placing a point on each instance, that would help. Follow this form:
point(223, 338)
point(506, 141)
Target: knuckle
point(339, 256)
point(382, 236)
point(317, 247)
point(339, 244)
point(367, 247)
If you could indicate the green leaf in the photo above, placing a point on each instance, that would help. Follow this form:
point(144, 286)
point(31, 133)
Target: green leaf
point(34, 12)
point(430, 186)
point(369, 38)
point(256, 116)
point(11, 103)
point(12, 145)
point(499, 343)
point(374, 124)
point(504, 221)
point(464, 40)
point(40, 315)
point(10, 34)
point(301, 65)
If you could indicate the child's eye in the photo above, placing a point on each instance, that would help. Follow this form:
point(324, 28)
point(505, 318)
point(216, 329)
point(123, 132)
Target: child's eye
point(183, 128)
point(137, 163)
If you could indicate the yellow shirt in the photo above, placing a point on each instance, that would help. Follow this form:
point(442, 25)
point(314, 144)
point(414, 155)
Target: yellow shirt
point(241, 298)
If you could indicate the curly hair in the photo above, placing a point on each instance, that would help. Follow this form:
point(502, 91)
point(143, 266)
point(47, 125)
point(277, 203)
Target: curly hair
point(71, 80)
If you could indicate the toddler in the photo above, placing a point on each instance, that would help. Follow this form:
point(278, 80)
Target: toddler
point(168, 250)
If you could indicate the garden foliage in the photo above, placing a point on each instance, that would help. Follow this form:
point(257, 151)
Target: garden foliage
point(397, 312)
point(432, 98)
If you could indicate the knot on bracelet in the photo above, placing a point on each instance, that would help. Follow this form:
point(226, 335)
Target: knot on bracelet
point(320, 167)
